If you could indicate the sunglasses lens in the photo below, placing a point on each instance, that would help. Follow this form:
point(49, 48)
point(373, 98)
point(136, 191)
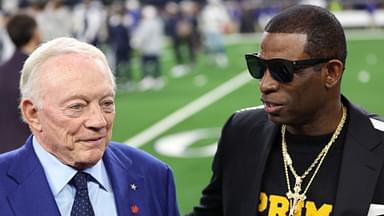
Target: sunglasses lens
point(281, 71)
point(255, 65)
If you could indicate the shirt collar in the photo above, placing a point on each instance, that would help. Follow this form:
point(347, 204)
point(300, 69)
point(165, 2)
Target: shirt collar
point(59, 174)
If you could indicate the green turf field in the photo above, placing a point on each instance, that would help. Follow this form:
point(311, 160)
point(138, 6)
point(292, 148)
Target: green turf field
point(197, 105)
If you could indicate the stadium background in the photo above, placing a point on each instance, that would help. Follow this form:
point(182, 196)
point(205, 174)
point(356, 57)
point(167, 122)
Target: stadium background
point(181, 123)
point(139, 111)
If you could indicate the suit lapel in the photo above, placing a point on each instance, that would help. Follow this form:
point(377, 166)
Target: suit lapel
point(128, 187)
point(361, 164)
point(263, 145)
point(271, 133)
point(33, 195)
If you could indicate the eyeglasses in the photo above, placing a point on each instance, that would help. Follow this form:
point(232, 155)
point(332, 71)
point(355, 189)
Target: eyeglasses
point(281, 70)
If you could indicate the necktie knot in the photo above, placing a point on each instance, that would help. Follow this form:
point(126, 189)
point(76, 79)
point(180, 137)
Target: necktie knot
point(79, 181)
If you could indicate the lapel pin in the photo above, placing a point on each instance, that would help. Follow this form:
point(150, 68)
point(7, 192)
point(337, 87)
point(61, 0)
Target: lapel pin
point(134, 209)
point(133, 187)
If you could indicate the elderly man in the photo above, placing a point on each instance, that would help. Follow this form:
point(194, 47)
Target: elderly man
point(309, 150)
point(69, 166)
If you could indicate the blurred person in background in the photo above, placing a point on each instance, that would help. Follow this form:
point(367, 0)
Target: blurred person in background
point(215, 21)
point(247, 18)
point(181, 26)
point(9, 6)
point(7, 48)
point(53, 20)
point(70, 166)
point(148, 39)
point(88, 18)
point(308, 150)
point(24, 33)
point(119, 39)
point(133, 13)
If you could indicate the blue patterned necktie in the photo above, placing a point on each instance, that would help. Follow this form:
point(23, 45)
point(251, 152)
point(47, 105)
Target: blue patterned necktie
point(82, 205)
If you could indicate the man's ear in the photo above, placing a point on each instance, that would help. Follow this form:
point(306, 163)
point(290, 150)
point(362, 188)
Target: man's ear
point(30, 111)
point(334, 72)
point(36, 37)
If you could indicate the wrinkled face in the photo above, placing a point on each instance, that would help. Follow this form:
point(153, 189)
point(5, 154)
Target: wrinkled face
point(299, 101)
point(77, 110)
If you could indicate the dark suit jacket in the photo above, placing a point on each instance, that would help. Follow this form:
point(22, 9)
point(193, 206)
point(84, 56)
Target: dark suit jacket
point(244, 147)
point(24, 189)
point(13, 131)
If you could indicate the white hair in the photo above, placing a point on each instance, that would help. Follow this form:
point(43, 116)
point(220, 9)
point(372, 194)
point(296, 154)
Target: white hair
point(31, 74)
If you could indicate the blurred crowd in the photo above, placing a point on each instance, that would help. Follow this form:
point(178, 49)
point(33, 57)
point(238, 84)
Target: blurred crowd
point(124, 28)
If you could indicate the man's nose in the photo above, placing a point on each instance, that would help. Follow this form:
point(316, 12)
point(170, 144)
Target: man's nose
point(267, 83)
point(96, 118)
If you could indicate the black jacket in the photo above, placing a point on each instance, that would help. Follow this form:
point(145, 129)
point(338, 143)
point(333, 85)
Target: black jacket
point(242, 154)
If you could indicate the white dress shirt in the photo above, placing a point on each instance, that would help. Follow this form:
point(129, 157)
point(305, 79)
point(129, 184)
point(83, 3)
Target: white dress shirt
point(59, 175)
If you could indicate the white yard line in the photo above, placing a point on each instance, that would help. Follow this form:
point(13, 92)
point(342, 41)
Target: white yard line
point(189, 110)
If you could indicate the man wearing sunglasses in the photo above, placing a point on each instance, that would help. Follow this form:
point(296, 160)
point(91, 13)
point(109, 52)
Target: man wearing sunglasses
point(308, 150)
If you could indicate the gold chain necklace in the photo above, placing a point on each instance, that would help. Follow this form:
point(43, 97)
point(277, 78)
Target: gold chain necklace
point(296, 197)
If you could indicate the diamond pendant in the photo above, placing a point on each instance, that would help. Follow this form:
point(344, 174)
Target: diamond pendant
point(295, 198)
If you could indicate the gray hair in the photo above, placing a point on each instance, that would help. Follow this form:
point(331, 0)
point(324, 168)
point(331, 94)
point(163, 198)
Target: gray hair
point(30, 74)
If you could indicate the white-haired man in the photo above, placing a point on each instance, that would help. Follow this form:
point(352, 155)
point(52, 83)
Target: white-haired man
point(69, 166)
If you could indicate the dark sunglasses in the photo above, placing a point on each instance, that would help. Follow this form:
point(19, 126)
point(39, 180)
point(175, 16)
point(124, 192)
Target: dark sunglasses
point(281, 70)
